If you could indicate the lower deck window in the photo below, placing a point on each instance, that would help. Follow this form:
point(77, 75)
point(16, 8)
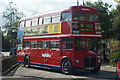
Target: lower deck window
point(27, 44)
point(39, 44)
point(67, 43)
point(80, 44)
point(33, 44)
point(80, 47)
point(54, 44)
point(45, 44)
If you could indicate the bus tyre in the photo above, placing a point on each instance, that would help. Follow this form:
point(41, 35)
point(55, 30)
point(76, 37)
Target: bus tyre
point(96, 70)
point(27, 61)
point(66, 67)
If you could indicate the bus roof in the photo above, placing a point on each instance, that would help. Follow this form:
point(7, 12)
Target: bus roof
point(55, 11)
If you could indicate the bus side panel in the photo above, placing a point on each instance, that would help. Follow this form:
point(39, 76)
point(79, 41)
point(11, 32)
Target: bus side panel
point(40, 59)
point(33, 55)
point(20, 55)
point(66, 27)
point(55, 58)
point(45, 56)
point(67, 53)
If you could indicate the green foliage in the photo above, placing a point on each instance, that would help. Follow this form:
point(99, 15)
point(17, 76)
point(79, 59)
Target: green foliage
point(12, 17)
point(110, 23)
point(105, 17)
point(6, 42)
point(118, 1)
point(95, 43)
point(113, 56)
point(115, 51)
point(116, 22)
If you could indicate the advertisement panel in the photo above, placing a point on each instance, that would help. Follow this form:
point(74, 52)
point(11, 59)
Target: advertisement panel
point(44, 29)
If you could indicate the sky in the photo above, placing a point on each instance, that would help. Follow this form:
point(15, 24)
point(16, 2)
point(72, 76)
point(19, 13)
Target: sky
point(30, 7)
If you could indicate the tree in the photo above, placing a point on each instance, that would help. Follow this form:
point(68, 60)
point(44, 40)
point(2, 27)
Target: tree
point(118, 1)
point(5, 43)
point(116, 22)
point(116, 25)
point(0, 41)
point(105, 17)
point(12, 16)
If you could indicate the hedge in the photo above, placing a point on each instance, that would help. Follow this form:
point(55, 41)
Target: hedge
point(113, 56)
point(8, 62)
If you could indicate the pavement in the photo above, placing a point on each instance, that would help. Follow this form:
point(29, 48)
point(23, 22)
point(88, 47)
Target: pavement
point(6, 53)
point(107, 67)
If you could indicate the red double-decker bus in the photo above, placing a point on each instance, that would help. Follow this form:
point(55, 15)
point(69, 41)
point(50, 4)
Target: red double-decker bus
point(60, 39)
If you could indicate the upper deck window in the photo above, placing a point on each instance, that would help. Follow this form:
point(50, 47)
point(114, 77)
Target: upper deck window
point(28, 23)
point(34, 22)
point(56, 18)
point(40, 20)
point(66, 16)
point(21, 24)
point(47, 20)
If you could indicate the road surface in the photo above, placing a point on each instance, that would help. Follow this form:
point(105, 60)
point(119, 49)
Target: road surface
point(35, 72)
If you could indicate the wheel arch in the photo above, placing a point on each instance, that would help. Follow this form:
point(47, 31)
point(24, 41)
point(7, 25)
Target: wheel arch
point(65, 58)
point(25, 56)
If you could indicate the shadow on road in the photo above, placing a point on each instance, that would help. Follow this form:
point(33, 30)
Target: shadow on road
point(102, 74)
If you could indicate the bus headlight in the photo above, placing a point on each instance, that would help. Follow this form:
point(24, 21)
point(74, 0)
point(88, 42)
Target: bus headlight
point(77, 61)
point(99, 61)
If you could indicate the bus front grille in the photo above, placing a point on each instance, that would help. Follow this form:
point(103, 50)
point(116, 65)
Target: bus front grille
point(89, 62)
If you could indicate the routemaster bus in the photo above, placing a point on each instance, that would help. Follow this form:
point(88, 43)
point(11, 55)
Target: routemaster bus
point(60, 39)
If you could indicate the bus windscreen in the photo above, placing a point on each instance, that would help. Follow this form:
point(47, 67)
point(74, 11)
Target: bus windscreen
point(85, 16)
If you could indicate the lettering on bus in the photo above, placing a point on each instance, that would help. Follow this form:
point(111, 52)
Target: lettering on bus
point(85, 9)
point(46, 55)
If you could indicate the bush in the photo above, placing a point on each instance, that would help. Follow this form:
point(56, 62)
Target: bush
point(115, 51)
point(113, 56)
point(7, 62)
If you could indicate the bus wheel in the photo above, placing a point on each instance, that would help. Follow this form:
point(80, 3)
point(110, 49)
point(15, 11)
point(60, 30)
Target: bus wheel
point(27, 61)
point(66, 67)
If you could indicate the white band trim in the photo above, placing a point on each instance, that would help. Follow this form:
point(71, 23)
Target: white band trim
point(82, 35)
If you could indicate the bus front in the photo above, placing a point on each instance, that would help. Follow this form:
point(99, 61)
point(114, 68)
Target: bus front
point(85, 26)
